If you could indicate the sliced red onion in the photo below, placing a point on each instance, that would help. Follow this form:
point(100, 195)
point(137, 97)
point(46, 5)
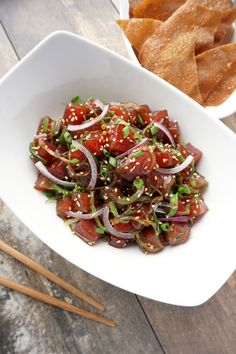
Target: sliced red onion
point(166, 131)
point(85, 216)
point(128, 152)
point(99, 103)
point(177, 169)
point(42, 169)
point(40, 136)
point(93, 166)
point(131, 199)
point(110, 228)
point(90, 122)
point(159, 210)
point(176, 219)
point(158, 207)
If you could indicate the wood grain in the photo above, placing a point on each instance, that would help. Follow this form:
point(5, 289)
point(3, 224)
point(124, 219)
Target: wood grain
point(7, 53)
point(27, 326)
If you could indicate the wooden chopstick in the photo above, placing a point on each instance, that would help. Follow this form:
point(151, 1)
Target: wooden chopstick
point(55, 302)
point(49, 275)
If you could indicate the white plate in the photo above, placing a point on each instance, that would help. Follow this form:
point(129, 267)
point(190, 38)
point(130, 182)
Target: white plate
point(64, 65)
point(223, 110)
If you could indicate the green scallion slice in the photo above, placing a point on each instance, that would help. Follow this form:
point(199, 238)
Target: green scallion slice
point(126, 131)
point(112, 161)
point(77, 100)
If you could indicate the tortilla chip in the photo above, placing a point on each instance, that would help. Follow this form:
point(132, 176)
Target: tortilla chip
point(225, 31)
point(216, 4)
point(170, 53)
point(207, 22)
point(132, 5)
point(138, 30)
point(157, 9)
point(217, 73)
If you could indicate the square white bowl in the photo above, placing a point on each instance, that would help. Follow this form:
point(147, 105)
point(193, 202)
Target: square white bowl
point(64, 65)
point(223, 110)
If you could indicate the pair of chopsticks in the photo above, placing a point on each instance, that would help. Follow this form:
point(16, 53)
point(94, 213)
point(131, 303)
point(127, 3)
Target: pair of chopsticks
point(59, 281)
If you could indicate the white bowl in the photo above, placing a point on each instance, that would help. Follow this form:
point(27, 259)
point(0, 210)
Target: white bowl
point(64, 65)
point(223, 110)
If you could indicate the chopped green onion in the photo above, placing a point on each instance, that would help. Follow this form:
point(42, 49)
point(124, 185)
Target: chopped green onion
point(77, 100)
point(178, 154)
point(50, 195)
point(192, 182)
point(125, 131)
point(60, 190)
point(61, 137)
point(137, 153)
point(106, 153)
point(138, 183)
point(100, 229)
point(140, 120)
point(45, 124)
point(74, 161)
point(78, 189)
point(112, 161)
point(113, 209)
point(67, 137)
point(154, 130)
point(184, 189)
point(174, 205)
point(165, 226)
point(103, 171)
point(34, 154)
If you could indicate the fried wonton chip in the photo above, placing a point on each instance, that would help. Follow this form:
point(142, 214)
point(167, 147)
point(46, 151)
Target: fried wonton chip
point(132, 5)
point(216, 4)
point(138, 30)
point(225, 31)
point(157, 9)
point(207, 22)
point(217, 73)
point(170, 51)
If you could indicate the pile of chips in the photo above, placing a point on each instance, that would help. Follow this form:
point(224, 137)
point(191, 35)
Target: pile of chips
point(187, 43)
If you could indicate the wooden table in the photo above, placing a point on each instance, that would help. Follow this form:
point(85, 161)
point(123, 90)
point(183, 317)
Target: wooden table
point(144, 326)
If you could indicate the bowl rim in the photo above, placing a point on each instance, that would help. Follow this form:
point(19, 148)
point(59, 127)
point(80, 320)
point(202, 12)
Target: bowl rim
point(170, 87)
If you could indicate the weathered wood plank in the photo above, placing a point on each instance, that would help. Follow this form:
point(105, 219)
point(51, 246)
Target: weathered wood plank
point(92, 19)
point(209, 328)
point(8, 56)
point(29, 326)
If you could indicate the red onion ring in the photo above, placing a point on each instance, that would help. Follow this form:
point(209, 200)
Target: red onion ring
point(128, 152)
point(84, 216)
point(110, 228)
point(176, 219)
point(99, 104)
point(177, 169)
point(166, 131)
point(89, 123)
point(93, 166)
point(42, 169)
